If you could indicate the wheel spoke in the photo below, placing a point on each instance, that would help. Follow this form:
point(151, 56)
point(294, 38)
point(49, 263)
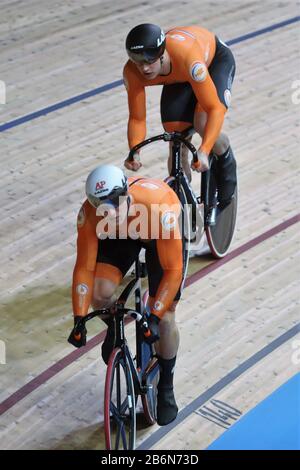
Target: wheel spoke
point(118, 387)
point(120, 426)
point(115, 412)
point(121, 435)
point(124, 440)
point(124, 406)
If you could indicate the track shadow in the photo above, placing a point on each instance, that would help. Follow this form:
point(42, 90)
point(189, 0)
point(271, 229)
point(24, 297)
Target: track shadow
point(93, 437)
point(84, 438)
point(36, 303)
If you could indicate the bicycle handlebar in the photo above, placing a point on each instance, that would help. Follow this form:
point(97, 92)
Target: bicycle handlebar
point(168, 137)
point(81, 323)
point(106, 311)
point(120, 309)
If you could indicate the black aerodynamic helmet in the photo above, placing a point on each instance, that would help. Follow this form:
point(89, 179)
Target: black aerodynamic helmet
point(145, 43)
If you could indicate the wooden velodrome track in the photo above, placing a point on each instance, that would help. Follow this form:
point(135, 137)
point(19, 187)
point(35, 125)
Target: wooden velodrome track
point(51, 52)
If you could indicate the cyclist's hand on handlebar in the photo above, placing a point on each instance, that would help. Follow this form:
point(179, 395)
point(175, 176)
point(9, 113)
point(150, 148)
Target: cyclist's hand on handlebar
point(78, 334)
point(152, 333)
point(134, 164)
point(202, 163)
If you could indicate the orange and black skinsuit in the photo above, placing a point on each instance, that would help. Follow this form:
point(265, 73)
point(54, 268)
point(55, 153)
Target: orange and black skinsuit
point(193, 53)
point(111, 258)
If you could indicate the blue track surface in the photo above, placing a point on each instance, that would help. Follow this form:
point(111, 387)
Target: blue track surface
point(274, 424)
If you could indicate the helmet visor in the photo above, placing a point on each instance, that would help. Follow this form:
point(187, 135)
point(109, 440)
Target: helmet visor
point(114, 200)
point(145, 56)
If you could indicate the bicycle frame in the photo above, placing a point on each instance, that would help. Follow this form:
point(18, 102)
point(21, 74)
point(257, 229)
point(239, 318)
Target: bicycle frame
point(138, 377)
point(144, 351)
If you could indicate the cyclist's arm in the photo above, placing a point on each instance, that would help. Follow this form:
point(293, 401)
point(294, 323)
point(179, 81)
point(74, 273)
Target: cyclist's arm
point(136, 131)
point(209, 102)
point(170, 257)
point(83, 275)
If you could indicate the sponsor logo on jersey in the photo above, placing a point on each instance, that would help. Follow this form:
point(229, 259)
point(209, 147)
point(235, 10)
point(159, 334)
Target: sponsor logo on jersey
point(82, 289)
point(198, 71)
point(158, 305)
point(227, 97)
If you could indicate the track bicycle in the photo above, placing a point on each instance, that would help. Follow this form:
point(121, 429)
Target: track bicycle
point(204, 212)
point(128, 377)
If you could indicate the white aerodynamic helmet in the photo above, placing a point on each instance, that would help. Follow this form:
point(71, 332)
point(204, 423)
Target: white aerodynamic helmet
point(105, 184)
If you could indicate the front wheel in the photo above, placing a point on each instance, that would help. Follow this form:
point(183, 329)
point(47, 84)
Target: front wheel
point(149, 396)
point(119, 404)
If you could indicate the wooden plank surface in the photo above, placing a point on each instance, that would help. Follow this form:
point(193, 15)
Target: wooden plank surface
point(55, 51)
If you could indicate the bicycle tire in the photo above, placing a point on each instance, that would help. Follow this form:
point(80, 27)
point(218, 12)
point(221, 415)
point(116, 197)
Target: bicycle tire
point(150, 378)
point(149, 398)
point(119, 416)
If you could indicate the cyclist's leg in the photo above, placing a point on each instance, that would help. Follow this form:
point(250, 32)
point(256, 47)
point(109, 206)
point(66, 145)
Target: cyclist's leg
point(226, 164)
point(105, 284)
point(113, 261)
point(222, 70)
point(167, 346)
point(177, 107)
point(166, 349)
point(200, 118)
